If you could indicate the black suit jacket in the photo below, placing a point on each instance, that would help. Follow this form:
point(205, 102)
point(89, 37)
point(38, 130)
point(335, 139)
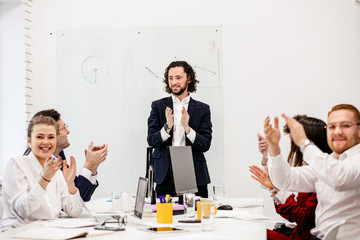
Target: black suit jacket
point(200, 122)
point(86, 188)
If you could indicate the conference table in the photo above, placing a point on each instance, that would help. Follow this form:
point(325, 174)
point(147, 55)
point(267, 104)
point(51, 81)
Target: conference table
point(228, 225)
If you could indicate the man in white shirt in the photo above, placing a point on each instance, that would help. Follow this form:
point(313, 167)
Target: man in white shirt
point(335, 178)
point(179, 120)
point(86, 182)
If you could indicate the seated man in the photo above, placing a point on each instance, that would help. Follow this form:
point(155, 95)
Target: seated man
point(86, 181)
point(334, 177)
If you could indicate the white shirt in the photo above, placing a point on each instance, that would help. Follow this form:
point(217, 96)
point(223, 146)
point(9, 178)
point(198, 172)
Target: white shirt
point(336, 183)
point(179, 138)
point(26, 201)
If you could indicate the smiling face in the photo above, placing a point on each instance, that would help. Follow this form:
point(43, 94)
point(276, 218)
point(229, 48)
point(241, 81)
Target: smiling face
point(178, 82)
point(343, 132)
point(42, 141)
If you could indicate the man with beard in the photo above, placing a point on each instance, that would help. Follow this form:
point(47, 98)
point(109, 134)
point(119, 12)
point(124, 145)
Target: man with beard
point(179, 120)
point(334, 177)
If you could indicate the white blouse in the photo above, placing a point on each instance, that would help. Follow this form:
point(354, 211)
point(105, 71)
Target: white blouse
point(26, 201)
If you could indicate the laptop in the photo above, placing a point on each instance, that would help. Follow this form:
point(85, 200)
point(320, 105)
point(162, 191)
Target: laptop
point(140, 197)
point(183, 170)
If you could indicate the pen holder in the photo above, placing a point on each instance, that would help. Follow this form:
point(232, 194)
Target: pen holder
point(164, 212)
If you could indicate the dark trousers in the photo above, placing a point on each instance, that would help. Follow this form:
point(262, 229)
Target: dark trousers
point(167, 187)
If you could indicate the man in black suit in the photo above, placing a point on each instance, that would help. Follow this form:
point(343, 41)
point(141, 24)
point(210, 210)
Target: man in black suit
point(179, 120)
point(94, 155)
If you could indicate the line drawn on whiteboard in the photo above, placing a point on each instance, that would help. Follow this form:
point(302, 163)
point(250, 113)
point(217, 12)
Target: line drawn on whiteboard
point(152, 73)
point(94, 69)
point(204, 69)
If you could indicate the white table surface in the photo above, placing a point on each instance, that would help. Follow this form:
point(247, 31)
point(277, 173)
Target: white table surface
point(225, 228)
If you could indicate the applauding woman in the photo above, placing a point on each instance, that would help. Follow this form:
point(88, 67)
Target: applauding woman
point(295, 207)
point(33, 186)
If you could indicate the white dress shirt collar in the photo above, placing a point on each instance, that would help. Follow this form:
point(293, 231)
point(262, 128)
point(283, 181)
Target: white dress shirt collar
point(177, 100)
point(348, 152)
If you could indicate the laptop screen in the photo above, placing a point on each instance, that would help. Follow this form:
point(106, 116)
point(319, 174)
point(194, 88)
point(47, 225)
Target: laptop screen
point(183, 170)
point(140, 197)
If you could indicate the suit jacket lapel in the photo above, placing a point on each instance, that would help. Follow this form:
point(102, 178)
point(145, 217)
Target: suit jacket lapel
point(169, 103)
point(191, 107)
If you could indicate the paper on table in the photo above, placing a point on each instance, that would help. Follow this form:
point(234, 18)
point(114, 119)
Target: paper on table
point(206, 236)
point(71, 222)
point(252, 217)
point(228, 213)
point(58, 233)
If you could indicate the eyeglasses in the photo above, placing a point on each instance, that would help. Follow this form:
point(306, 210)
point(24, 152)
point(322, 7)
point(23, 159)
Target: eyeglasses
point(342, 125)
point(65, 127)
point(121, 221)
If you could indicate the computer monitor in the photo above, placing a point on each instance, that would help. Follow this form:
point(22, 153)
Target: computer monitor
point(140, 197)
point(183, 170)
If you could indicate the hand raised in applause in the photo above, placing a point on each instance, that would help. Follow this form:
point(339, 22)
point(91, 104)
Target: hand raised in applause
point(94, 156)
point(261, 176)
point(169, 117)
point(263, 149)
point(69, 172)
point(185, 117)
point(51, 166)
point(297, 131)
point(272, 135)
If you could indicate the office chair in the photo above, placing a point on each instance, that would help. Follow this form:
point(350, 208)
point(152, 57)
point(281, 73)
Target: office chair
point(331, 234)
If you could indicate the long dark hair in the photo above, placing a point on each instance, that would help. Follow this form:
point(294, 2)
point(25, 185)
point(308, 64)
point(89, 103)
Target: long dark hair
point(315, 131)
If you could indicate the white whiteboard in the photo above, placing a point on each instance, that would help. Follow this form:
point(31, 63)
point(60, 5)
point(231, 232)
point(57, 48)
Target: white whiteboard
point(107, 79)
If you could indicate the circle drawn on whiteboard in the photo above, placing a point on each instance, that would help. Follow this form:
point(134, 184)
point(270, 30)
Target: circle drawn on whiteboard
point(94, 69)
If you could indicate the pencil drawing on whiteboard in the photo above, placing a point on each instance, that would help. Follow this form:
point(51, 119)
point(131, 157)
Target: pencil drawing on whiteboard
point(94, 69)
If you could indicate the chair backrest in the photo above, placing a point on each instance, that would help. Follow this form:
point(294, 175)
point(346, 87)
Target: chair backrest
point(332, 233)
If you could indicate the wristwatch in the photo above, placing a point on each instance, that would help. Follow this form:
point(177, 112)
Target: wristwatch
point(166, 128)
point(305, 143)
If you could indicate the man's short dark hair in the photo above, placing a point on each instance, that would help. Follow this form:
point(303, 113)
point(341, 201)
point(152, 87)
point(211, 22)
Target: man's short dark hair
point(190, 74)
point(49, 113)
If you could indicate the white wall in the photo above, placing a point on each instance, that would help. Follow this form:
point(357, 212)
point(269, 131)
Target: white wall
point(12, 83)
point(279, 56)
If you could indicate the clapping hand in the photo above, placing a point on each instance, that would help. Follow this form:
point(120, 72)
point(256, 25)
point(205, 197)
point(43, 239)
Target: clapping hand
point(263, 149)
point(297, 131)
point(169, 117)
point(69, 173)
point(185, 117)
point(261, 176)
point(51, 166)
point(272, 135)
point(95, 155)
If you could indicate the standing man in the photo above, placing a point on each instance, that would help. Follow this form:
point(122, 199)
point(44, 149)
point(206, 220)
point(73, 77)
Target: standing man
point(335, 178)
point(86, 181)
point(179, 120)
